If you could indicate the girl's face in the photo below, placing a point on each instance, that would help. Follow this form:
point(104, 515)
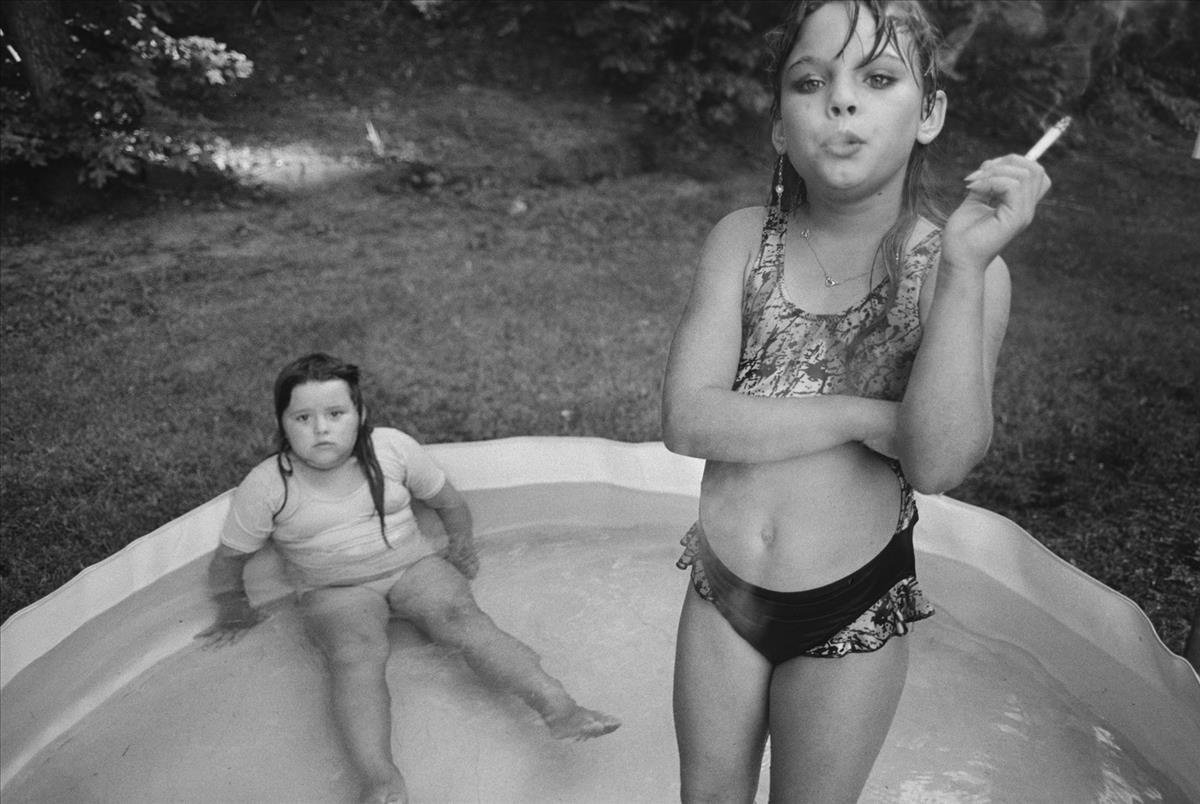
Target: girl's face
point(321, 424)
point(848, 125)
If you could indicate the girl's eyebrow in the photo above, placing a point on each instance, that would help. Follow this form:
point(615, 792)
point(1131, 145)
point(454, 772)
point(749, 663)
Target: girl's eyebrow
point(804, 60)
point(811, 60)
point(886, 56)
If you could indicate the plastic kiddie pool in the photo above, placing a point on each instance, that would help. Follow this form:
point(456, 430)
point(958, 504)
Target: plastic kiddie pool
point(1034, 683)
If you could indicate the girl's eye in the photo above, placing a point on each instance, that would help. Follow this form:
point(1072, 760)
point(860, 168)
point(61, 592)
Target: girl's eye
point(336, 414)
point(808, 84)
point(302, 417)
point(880, 81)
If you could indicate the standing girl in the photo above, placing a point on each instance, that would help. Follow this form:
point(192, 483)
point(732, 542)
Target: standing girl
point(837, 346)
point(335, 499)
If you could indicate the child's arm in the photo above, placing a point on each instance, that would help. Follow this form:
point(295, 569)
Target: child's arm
point(945, 423)
point(248, 524)
point(703, 417)
point(452, 509)
point(227, 586)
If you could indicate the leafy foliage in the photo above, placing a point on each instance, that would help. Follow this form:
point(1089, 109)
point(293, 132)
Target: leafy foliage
point(1015, 63)
point(1011, 64)
point(119, 106)
point(689, 63)
point(686, 65)
point(133, 90)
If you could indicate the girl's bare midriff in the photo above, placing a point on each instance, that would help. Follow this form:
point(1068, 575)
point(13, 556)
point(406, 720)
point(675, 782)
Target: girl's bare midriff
point(800, 523)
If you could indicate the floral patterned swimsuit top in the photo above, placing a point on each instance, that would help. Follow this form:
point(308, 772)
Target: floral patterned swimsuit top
point(789, 352)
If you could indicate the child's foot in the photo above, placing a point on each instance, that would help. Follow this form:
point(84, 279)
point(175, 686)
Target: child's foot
point(578, 724)
point(388, 791)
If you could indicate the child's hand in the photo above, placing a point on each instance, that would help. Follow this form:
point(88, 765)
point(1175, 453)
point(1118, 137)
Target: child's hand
point(462, 554)
point(1002, 196)
point(235, 618)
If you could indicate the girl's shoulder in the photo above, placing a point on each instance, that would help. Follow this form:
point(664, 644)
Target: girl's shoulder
point(264, 480)
point(391, 441)
point(404, 459)
point(264, 470)
point(392, 435)
point(737, 237)
point(745, 224)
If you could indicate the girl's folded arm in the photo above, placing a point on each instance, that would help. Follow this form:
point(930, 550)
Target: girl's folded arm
point(945, 423)
point(702, 416)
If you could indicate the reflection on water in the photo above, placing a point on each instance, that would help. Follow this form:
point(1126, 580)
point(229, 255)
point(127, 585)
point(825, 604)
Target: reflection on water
point(980, 720)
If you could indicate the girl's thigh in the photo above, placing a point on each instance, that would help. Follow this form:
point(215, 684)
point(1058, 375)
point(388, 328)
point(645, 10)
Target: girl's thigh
point(348, 623)
point(829, 718)
point(433, 592)
point(721, 691)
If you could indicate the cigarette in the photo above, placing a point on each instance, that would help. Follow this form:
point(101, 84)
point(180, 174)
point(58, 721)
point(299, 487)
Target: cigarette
point(1049, 138)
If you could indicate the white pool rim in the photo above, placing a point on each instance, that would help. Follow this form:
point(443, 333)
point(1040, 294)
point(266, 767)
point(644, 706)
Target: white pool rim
point(1163, 718)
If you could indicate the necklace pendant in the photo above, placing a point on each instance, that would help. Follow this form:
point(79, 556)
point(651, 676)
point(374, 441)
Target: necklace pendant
point(829, 282)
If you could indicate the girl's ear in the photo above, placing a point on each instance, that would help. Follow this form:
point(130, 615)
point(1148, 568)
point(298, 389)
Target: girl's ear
point(931, 124)
point(777, 138)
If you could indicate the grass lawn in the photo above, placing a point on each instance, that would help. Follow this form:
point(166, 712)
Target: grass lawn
point(140, 340)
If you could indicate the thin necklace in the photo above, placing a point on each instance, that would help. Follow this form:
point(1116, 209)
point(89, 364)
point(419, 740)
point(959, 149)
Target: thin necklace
point(830, 282)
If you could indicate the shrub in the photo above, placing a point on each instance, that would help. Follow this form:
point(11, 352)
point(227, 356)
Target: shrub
point(686, 65)
point(118, 108)
point(1013, 64)
point(690, 64)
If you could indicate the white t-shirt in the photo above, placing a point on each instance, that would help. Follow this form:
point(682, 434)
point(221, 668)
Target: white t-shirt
point(329, 540)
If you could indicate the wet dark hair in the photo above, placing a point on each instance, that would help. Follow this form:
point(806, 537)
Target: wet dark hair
point(320, 367)
point(893, 19)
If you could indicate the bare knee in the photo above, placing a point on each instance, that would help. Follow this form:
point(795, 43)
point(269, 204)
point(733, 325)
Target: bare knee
point(355, 648)
point(452, 620)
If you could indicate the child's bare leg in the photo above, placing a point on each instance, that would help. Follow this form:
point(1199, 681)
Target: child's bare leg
point(720, 702)
point(349, 625)
point(829, 720)
point(437, 598)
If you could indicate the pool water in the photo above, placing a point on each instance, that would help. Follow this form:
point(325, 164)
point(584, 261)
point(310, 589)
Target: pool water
point(980, 719)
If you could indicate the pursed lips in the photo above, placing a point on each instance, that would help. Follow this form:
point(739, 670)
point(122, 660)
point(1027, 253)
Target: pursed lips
point(844, 143)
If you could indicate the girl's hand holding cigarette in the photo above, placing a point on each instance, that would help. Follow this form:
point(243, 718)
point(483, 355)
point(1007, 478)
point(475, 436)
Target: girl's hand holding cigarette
point(1002, 196)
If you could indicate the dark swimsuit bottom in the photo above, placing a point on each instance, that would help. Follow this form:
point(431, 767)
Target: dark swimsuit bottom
point(856, 614)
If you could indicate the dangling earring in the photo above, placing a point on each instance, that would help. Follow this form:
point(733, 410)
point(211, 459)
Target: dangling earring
point(778, 186)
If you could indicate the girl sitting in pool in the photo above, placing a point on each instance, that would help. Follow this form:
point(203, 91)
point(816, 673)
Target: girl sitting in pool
point(335, 500)
point(837, 345)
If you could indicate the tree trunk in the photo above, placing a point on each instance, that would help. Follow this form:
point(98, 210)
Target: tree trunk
point(40, 39)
